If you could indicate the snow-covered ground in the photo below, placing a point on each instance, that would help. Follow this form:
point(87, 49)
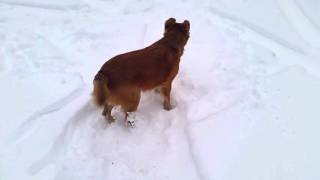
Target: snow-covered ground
point(246, 97)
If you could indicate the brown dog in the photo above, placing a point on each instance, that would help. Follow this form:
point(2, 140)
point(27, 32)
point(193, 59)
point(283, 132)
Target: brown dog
point(121, 79)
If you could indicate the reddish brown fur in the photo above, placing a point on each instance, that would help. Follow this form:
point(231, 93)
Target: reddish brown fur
point(122, 78)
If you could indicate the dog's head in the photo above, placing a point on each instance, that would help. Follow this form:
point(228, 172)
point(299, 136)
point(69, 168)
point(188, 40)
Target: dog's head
point(171, 27)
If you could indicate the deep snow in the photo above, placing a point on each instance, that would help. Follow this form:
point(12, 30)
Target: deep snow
point(246, 97)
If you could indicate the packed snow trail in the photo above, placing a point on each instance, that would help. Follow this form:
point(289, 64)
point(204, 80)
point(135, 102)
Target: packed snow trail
point(300, 22)
point(31, 122)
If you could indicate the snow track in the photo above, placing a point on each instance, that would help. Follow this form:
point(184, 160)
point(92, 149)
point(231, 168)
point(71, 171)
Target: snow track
point(87, 133)
point(259, 30)
point(62, 141)
point(300, 22)
point(31, 122)
point(41, 5)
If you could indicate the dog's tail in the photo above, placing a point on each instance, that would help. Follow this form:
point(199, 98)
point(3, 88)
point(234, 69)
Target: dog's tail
point(100, 89)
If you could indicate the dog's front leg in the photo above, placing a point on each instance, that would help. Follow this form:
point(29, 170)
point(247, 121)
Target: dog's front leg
point(165, 92)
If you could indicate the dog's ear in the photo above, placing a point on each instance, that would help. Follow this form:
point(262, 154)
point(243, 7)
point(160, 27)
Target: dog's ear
point(186, 25)
point(169, 22)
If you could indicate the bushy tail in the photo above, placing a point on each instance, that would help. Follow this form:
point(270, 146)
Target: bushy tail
point(100, 89)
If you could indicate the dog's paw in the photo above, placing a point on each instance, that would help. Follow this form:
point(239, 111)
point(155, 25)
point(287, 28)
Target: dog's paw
point(157, 90)
point(167, 107)
point(110, 119)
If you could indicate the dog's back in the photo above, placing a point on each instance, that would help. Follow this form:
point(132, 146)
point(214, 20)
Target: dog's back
point(146, 68)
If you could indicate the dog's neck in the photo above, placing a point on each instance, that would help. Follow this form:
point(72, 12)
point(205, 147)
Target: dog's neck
point(175, 42)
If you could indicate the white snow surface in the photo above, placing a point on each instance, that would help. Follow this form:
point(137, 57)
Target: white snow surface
point(246, 99)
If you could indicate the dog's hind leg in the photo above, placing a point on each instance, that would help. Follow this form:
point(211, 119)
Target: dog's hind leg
point(131, 103)
point(107, 113)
